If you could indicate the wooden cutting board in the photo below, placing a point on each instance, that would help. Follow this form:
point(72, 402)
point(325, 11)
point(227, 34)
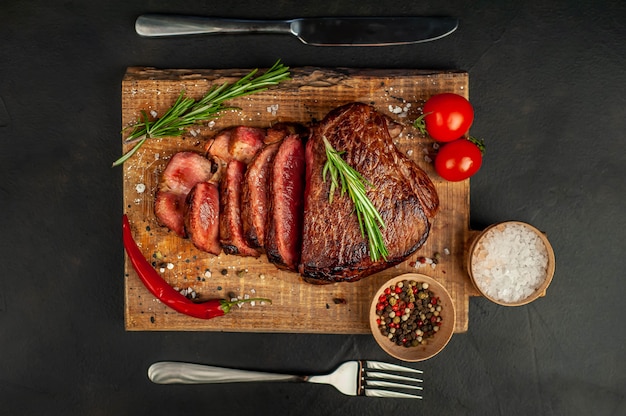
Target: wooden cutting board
point(297, 306)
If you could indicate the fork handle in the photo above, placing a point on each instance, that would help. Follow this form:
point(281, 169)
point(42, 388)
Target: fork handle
point(168, 372)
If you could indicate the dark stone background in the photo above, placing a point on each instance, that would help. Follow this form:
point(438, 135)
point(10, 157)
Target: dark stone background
point(548, 81)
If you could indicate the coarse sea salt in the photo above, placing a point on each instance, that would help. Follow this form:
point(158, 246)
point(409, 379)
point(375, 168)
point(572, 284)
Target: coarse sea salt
point(510, 263)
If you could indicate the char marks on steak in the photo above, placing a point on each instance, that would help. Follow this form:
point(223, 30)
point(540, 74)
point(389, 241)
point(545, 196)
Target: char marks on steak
point(182, 173)
point(283, 239)
point(202, 217)
point(255, 196)
point(333, 249)
point(231, 226)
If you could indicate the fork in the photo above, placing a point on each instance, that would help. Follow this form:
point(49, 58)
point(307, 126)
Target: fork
point(353, 378)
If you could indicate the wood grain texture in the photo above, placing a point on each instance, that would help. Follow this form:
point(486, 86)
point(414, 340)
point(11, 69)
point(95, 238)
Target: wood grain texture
point(297, 306)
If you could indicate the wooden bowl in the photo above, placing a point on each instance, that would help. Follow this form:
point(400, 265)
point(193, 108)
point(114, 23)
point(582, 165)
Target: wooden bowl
point(477, 251)
point(433, 345)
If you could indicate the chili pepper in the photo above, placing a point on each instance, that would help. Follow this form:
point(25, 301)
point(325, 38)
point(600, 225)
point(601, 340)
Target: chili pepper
point(167, 294)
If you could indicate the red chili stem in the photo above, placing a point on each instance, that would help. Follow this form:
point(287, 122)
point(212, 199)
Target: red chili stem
point(166, 293)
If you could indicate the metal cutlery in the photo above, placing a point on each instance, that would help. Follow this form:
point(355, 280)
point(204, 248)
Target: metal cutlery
point(318, 31)
point(353, 378)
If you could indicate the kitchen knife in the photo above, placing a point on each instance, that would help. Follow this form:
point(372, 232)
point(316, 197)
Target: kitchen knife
point(318, 31)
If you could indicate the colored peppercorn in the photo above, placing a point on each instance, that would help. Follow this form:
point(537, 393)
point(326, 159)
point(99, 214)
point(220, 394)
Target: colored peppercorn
point(407, 313)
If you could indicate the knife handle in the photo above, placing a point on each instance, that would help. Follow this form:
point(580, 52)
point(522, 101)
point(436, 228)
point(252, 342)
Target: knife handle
point(155, 25)
point(168, 372)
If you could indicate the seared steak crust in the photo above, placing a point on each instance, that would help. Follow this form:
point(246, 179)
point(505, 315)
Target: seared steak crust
point(333, 249)
point(284, 226)
point(255, 195)
point(231, 227)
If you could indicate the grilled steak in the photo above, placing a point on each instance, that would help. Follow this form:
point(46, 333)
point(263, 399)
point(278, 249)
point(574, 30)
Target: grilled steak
point(183, 172)
point(333, 249)
point(255, 196)
point(284, 227)
point(202, 217)
point(231, 227)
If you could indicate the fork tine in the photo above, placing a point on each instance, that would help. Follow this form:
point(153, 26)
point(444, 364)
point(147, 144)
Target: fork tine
point(379, 365)
point(389, 393)
point(376, 374)
point(390, 384)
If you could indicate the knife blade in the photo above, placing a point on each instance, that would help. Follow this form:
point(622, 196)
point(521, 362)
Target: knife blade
point(317, 31)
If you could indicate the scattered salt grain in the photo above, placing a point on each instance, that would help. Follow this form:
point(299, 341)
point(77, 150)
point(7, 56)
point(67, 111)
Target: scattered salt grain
point(273, 109)
point(153, 113)
point(140, 188)
point(401, 111)
point(207, 274)
point(510, 264)
point(170, 266)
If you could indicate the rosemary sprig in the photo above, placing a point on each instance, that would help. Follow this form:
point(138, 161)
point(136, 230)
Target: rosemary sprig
point(186, 111)
point(344, 176)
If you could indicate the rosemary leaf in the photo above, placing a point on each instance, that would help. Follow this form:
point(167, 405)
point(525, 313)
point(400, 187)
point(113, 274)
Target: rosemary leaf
point(186, 111)
point(352, 182)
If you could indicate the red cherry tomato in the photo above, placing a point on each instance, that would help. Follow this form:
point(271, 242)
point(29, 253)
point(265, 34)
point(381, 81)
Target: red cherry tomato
point(447, 116)
point(458, 160)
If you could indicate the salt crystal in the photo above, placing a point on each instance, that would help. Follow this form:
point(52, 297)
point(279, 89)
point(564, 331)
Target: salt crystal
point(273, 109)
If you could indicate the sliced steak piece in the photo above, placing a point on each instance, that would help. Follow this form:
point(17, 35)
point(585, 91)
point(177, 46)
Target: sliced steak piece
point(255, 196)
point(231, 227)
point(217, 146)
point(170, 211)
point(236, 143)
point(183, 172)
point(202, 217)
point(283, 239)
point(333, 249)
point(245, 142)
